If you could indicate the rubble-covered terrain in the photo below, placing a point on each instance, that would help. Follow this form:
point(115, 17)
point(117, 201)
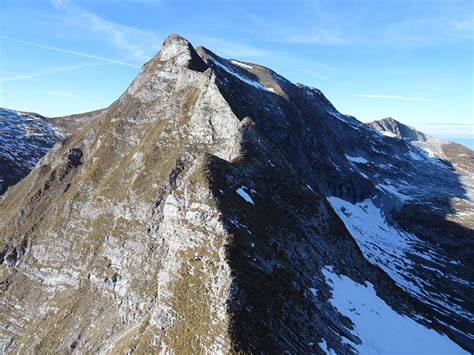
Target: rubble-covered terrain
point(217, 207)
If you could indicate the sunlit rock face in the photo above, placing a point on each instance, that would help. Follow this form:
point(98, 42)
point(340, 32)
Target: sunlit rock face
point(217, 207)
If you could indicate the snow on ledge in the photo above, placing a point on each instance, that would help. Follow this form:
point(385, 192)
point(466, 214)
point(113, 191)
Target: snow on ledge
point(254, 83)
point(324, 346)
point(388, 134)
point(244, 195)
point(379, 327)
point(240, 64)
point(359, 160)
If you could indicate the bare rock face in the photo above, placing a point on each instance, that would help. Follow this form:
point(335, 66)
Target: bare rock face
point(198, 214)
point(180, 52)
point(390, 126)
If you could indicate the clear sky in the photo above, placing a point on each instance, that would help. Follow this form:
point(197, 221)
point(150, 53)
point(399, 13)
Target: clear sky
point(411, 60)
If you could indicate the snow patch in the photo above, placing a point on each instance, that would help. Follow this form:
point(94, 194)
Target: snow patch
point(393, 191)
point(255, 84)
point(244, 195)
point(240, 64)
point(392, 249)
point(358, 160)
point(415, 155)
point(379, 241)
point(379, 327)
point(388, 134)
point(431, 153)
point(337, 115)
point(324, 346)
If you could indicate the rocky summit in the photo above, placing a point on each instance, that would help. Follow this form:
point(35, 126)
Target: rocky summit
point(216, 207)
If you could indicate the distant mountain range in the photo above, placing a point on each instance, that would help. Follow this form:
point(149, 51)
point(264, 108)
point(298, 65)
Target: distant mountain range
point(217, 207)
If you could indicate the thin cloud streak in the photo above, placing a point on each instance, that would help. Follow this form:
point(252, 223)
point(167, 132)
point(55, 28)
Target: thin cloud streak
point(43, 72)
point(244, 51)
point(67, 51)
point(330, 24)
point(466, 24)
point(312, 73)
point(14, 77)
point(395, 97)
point(317, 38)
point(10, 73)
point(232, 49)
point(134, 43)
point(56, 93)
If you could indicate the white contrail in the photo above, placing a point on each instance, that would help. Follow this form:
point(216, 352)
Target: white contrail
point(56, 93)
point(43, 72)
point(14, 76)
point(108, 60)
point(394, 97)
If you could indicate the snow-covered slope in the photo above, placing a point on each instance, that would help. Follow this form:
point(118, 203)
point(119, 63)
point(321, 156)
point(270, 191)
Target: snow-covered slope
point(376, 323)
point(416, 265)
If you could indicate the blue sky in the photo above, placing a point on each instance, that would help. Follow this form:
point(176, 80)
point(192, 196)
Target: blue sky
point(412, 60)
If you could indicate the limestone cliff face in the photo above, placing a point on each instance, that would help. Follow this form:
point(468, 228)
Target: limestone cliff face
point(191, 216)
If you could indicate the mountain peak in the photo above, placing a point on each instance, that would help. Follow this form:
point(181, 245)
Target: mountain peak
point(179, 50)
point(390, 126)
